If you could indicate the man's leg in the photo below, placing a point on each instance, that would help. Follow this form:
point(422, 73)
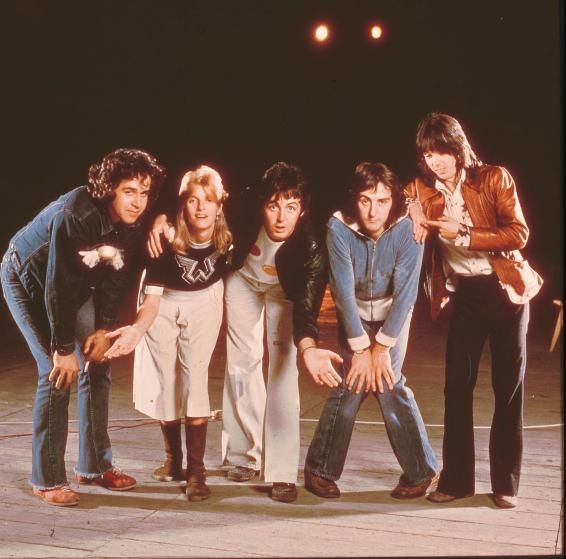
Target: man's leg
point(508, 341)
point(404, 423)
point(281, 436)
point(327, 452)
point(93, 395)
point(466, 336)
point(243, 402)
point(50, 412)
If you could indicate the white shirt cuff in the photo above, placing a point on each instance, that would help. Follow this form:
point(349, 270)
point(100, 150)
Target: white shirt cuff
point(153, 290)
point(361, 342)
point(385, 340)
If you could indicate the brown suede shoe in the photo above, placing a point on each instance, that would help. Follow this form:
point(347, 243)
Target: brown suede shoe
point(325, 488)
point(62, 496)
point(284, 492)
point(505, 501)
point(113, 479)
point(404, 491)
point(197, 490)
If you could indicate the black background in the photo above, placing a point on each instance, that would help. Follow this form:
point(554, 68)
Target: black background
point(240, 85)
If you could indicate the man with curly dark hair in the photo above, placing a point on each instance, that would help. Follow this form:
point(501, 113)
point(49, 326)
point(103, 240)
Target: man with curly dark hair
point(64, 276)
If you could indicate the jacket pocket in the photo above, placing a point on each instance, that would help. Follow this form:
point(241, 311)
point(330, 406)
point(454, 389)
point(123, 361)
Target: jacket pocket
point(517, 277)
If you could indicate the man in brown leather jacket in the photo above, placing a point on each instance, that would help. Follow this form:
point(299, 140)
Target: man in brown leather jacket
point(475, 228)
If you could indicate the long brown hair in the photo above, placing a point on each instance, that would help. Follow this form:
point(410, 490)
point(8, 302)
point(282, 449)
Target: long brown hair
point(444, 134)
point(211, 182)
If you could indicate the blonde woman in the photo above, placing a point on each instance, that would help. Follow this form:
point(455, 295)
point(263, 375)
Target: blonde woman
point(179, 321)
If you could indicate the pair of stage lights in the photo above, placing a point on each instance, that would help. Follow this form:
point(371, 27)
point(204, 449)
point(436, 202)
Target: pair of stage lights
point(322, 32)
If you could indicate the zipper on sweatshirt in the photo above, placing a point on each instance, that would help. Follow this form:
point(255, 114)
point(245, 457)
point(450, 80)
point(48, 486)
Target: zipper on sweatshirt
point(373, 243)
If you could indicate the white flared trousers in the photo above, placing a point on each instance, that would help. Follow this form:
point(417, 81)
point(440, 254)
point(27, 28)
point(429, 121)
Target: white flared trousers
point(260, 423)
point(171, 361)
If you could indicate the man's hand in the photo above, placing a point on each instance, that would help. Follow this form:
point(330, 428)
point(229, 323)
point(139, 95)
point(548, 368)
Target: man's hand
point(96, 345)
point(418, 218)
point(128, 338)
point(447, 227)
point(319, 364)
point(381, 369)
point(65, 370)
point(360, 372)
point(160, 227)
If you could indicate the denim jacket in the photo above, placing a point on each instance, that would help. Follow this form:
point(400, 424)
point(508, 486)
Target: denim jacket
point(374, 281)
point(45, 255)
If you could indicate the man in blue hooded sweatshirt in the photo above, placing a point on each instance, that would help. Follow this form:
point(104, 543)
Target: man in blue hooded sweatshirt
point(374, 271)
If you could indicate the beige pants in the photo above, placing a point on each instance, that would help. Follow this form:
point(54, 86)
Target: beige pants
point(171, 362)
point(260, 424)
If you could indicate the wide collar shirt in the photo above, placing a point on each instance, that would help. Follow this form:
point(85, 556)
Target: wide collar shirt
point(457, 258)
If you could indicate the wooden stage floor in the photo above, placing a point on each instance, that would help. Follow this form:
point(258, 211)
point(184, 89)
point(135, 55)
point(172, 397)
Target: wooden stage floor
point(240, 520)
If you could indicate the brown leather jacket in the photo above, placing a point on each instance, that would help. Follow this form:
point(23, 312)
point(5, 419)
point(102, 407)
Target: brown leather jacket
point(499, 229)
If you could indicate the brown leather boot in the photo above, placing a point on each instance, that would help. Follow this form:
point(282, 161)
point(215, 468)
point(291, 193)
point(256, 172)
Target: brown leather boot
point(197, 490)
point(172, 468)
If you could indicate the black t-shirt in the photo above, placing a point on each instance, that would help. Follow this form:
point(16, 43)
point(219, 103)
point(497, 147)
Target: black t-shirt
point(198, 269)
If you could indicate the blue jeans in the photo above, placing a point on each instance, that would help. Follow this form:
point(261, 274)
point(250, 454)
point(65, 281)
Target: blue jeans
point(50, 412)
point(403, 422)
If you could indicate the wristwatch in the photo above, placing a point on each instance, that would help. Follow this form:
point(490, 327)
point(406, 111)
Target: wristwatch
point(360, 351)
point(64, 351)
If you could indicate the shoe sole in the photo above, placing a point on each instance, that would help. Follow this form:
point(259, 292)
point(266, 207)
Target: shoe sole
point(59, 504)
point(104, 487)
point(197, 498)
point(321, 495)
point(503, 504)
point(449, 500)
point(407, 497)
point(119, 488)
point(73, 504)
point(284, 499)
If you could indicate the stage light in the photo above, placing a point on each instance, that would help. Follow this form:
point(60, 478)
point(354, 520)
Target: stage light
point(321, 33)
point(375, 32)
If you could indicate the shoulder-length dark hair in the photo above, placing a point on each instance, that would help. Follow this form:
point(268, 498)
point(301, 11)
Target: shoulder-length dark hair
point(442, 133)
point(367, 176)
point(124, 164)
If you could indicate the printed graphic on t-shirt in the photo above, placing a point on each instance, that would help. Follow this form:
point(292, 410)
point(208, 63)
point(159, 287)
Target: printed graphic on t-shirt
point(195, 271)
point(269, 270)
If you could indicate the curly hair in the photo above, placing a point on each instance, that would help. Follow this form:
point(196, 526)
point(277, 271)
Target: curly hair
point(124, 164)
